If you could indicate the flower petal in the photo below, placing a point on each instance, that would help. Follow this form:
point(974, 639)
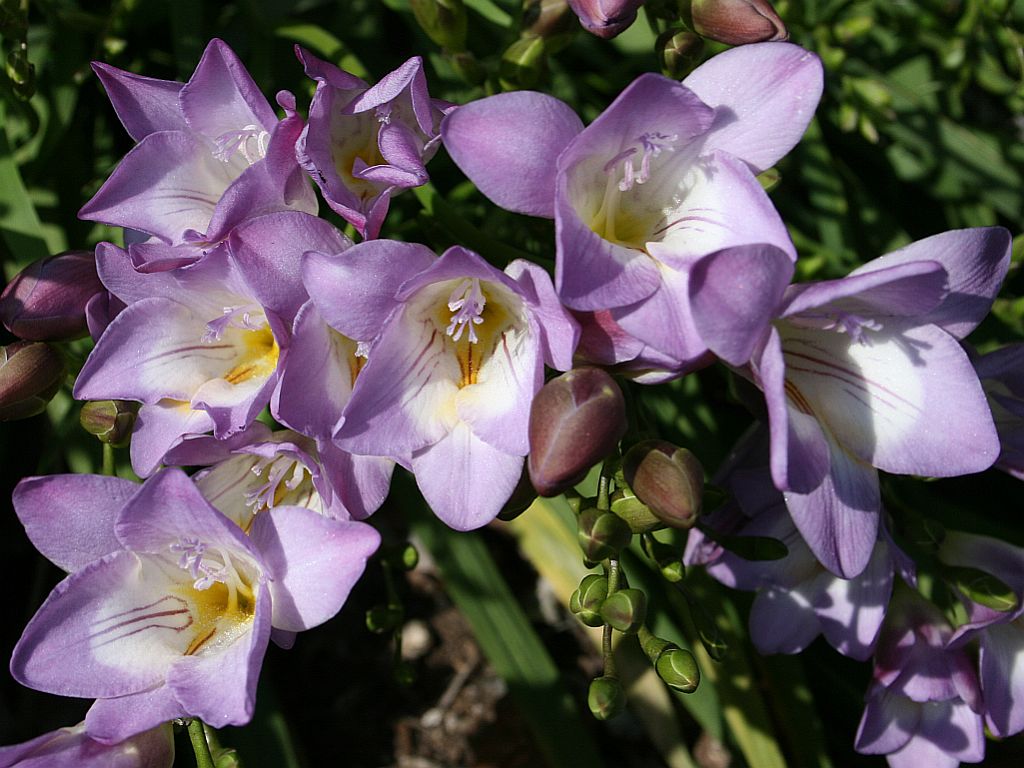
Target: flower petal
point(508, 145)
point(159, 427)
point(114, 720)
point(1002, 678)
point(144, 105)
point(559, 332)
point(782, 621)
point(888, 724)
point(851, 610)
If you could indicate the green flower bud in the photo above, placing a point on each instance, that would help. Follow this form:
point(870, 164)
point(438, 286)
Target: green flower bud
point(601, 534)
point(606, 698)
point(678, 668)
point(227, 758)
point(634, 512)
point(111, 421)
point(679, 51)
point(523, 63)
point(668, 559)
point(444, 21)
point(383, 618)
point(737, 22)
point(409, 558)
point(625, 610)
point(586, 601)
point(983, 588)
point(668, 479)
point(30, 375)
point(551, 19)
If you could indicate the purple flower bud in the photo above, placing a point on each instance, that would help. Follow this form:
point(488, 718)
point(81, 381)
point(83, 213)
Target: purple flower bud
point(738, 22)
point(30, 375)
point(668, 479)
point(606, 18)
point(46, 300)
point(575, 420)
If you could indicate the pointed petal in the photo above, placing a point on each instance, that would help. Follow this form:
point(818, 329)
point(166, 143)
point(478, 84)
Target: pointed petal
point(144, 105)
point(114, 720)
point(976, 261)
point(508, 145)
point(734, 295)
point(315, 562)
point(851, 610)
point(464, 480)
point(221, 95)
point(70, 518)
point(782, 621)
point(159, 427)
point(1002, 678)
point(559, 331)
point(765, 95)
point(889, 722)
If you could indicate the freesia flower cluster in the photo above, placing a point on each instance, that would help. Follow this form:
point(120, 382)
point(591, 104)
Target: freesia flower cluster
point(231, 296)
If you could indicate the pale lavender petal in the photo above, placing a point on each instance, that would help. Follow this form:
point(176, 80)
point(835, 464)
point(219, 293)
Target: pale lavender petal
point(734, 295)
point(221, 96)
point(782, 621)
point(159, 427)
point(888, 724)
point(508, 146)
point(327, 73)
point(1001, 662)
point(204, 450)
point(851, 610)
point(220, 687)
point(114, 720)
point(314, 562)
point(839, 519)
point(903, 290)
point(73, 748)
point(409, 76)
point(360, 482)
point(70, 518)
point(454, 264)
point(144, 105)
point(765, 95)
point(559, 332)
point(976, 261)
point(953, 730)
point(464, 480)
point(157, 256)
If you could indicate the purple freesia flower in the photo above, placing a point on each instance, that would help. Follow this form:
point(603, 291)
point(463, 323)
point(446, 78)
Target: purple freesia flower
point(922, 708)
point(867, 373)
point(364, 143)
point(606, 18)
point(1002, 375)
point(658, 184)
point(210, 153)
point(456, 352)
point(73, 748)
point(168, 607)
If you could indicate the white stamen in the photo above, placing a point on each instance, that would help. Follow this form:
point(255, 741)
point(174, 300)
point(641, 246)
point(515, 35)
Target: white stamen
point(466, 303)
point(251, 142)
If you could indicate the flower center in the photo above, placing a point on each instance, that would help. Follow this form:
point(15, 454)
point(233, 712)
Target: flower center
point(246, 328)
point(466, 304)
point(250, 142)
point(284, 478)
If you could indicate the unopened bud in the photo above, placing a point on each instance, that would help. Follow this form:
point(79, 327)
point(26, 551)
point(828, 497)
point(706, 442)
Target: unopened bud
point(982, 588)
point(226, 758)
point(668, 560)
point(46, 300)
point(634, 512)
point(678, 668)
point(575, 421)
point(738, 22)
point(111, 421)
point(30, 375)
point(679, 51)
point(625, 610)
point(606, 698)
point(601, 534)
point(668, 479)
point(444, 21)
point(523, 63)
point(550, 19)
point(586, 601)
point(606, 18)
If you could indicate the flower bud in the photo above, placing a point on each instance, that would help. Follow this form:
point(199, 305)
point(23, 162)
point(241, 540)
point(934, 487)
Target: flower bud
point(625, 610)
point(444, 21)
point(523, 62)
point(30, 375)
point(226, 758)
point(46, 300)
point(678, 668)
point(679, 51)
point(606, 18)
point(550, 19)
point(634, 512)
point(575, 421)
point(667, 479)
point(601, 534)
point(668, 560)
point(982, 588)
point(586, 601)
point(111, 421)
point(738, 22)
point(605, 698)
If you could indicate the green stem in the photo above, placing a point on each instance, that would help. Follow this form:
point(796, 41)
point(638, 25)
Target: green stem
point(109, 468)
point(612, 572)
point(200, 746)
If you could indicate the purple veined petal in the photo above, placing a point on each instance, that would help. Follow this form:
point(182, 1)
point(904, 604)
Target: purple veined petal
point(361, 483)
point(408, 76)
point(355, 292)
point(327, 73)
point(204, 282)
point(508, 145)
point(734, 295)
point(109, 629)
point(851, 610)
point(70, 518)
point(1001, 664)
point(269, 252)
point(402, 151)
point(221, 96)
point(169, 183)
point(888, 724)
point(456, 263)
point(464, 480)
point(161, 426)
point(73, 748)
point(764, 96)
point(317, 374)
point(157, 256)
point(603, 341)
point(559, 331)
point(144, 105)
point(204, 450)
point(236, 399)
point(839, 519)
point(404, 398)
point(976, 261)
point(800, 455)
point(782, 621)
point(113, 720)
point(219, 686)
point(315, 562)
point(902, 290)
point(905, 401)
point(99, 311)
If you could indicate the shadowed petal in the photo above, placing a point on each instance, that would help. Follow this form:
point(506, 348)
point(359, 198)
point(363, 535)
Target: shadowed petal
point(114, 720)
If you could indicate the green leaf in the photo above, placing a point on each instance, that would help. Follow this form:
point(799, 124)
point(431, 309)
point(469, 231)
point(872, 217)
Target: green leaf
point(20, 227)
